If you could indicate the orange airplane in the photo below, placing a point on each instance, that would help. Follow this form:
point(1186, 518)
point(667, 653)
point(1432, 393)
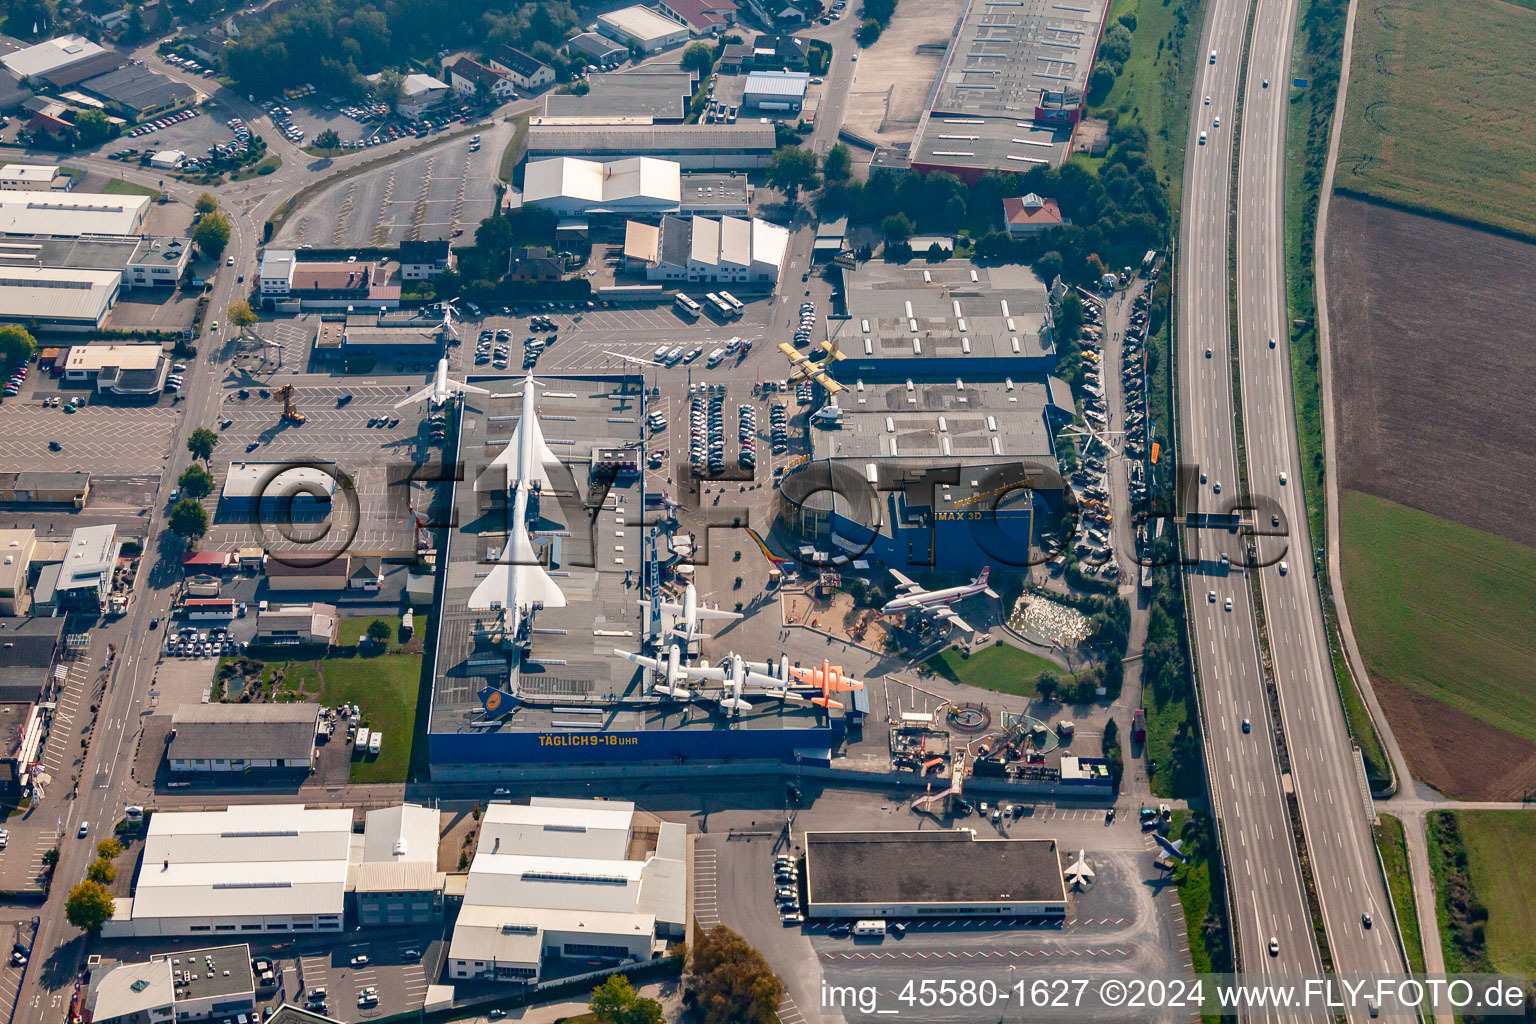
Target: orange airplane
point(829, 677)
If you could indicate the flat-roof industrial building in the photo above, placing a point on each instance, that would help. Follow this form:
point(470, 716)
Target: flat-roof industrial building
point(661, 97)
point(243, 737)
point(987, 450)
point(744, 251)
point(742, 146)
point(571, 880)
point(555, 692)
point(124, 370)
point(930, 874)
point(643, 28)
point(1011, 88)
point(58, 299)
point(253, 867)
point(143, 262)
point(944, 320)
point(199, 984)
point(397, 883)
point(569, 186)
point(70, 214)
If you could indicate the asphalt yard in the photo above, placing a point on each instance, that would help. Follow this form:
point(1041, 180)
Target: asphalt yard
point(356, 436)
point(102, 439)
point(426, 196)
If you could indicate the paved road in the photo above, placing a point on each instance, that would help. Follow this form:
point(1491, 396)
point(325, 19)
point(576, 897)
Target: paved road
point(1325, 767)
point(1263, 874)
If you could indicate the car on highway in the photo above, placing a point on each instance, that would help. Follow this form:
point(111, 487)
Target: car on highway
point(1284, 479)
point(1274, 947)
point(1247, 726)
point(84, 830)
point(1285, 567)
point(1365, 919)
point(1229, 604)
point(1202, 138)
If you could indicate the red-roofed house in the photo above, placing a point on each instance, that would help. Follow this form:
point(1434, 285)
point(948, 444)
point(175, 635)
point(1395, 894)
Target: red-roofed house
point(1026, 215)
point(703, 17)
point(195, 562)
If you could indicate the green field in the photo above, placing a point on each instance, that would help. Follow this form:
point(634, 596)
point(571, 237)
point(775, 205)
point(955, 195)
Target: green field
point(386, 685)
point(1439, 110)
point(1154, 87)
point(1181, 779)
point(1394, 859)
point(1199, 888)
point(1443, 609)
point(1001, 669)
point(124, 187)
point(1501, 858)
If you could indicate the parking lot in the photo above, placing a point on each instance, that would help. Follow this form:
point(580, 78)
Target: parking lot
point(357, 436)
point(429, 195)
point(99, 438)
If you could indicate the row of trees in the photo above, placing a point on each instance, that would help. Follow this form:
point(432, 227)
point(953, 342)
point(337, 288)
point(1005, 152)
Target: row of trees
point(211, 233)
point(333, 44)
point(729, 982)
point(877, 17)
point(90, 903)
point(1114, 215)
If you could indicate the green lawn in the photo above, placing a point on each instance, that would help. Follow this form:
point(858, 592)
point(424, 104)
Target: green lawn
point(1394, 858)
point(1501, 857)
point(1443, 609)
point(1199, 887)
point(274, 161)
point(514, 151)
point(1439, 108)
point(1001, 668)
point(1164, 719)
point(1153, 90)
point(386, 686)
point(124, 187)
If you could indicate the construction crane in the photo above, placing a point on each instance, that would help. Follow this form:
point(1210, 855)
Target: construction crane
point(291, 412)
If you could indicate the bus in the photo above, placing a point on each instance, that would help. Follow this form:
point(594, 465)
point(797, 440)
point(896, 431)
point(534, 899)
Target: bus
point(687, 306)
point(720, 306)
point(733, 302)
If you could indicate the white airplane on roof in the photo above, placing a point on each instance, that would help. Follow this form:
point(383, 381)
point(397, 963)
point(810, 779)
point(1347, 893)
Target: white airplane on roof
point(526, 457)
point(691, 613)
point(673, 671)
point(518, 582)
point(442, 390)
point(1079, 875)
point(936, 602)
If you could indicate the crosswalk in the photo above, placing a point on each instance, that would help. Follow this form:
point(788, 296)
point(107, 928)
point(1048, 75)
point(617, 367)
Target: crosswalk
point(706, 907)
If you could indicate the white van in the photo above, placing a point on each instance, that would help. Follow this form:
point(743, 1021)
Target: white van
point(869, 928)
point(732, 345)
point(715, 357)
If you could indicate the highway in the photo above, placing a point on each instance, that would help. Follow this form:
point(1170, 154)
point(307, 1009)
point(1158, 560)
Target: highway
point(1327, 774)
point(1263, 874)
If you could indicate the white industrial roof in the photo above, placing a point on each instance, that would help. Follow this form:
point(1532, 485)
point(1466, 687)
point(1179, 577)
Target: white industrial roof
point(642, 23)
point(50, 55)
point(405, 832)
point(640, 178)
point(132, 988)
point(738, 242)
point(57, 293)
point(513, 935)
point(92, 552)
point(503, 880)
point(250, 479)
point(788, 84)
point(91, 358)
point(600, 831)
point(415, 85)
point(32, 174)
point(250, 860)
point(67, 214)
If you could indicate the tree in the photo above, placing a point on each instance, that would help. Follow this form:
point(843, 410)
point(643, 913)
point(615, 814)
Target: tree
point(89, 906)
point(791, 169)
point(896, 228)
point(101, 870)
point(838, 164)
point(16, 345)
point(109, 849)
point(240, 313)
point(699, 58)
point(879, 10)
point(93, 127)
point(195, 481)
point(189, 519)
point(616, 1002)
point(1099, 82)
point(869, 32)
point(378, 631)
point(328, 139)
point(205, 203)
point(1047, 686)
point(202, 443)
point(212, 233)
point(732, 982)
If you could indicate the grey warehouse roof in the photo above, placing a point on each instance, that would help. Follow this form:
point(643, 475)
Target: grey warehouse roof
point(943, 424)
point(244, 731)
point(929, 868)
point(137, 87)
